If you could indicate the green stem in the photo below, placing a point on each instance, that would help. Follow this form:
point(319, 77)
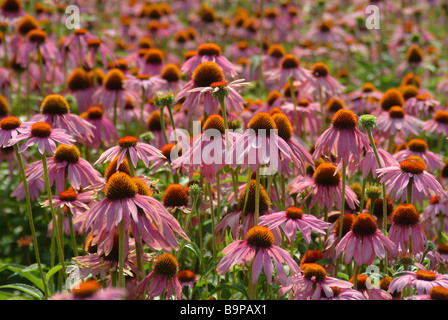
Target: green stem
point(42, 74)
point(162, 123)
point(53, 215)
point(30, 218)
point(257, 196)
point(294, 101)
point(224, 117)
point(121, 279)
point(355, 275)
point(72, 234)
point(341, 219)
point(142, 107)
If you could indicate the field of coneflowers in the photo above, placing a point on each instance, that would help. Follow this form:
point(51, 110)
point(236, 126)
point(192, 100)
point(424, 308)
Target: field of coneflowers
point(224, 150)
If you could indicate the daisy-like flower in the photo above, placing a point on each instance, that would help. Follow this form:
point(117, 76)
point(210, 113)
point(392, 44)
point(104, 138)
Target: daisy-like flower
point(104, 131)
point(154, 61)
point(406, 231)
point(364, 242)
point(91, 289)
point(10, 128)
point(409, 173)
point(113, 94)
point(136, 150)
point(419, 148)
point(97, 47)
point(436, 293)
point(169, 79)
point(300, 156)
point(422, 280)
point(397, 120)
point(66, 163)
point(207, 78)
point(55, 111)
point(312, 282)
point(343, 139)
point(143, 83)
point(187, 278)
point(199, 155)
point(259, 250)
point(209, 52)
point(325, 188)
point(322, 80)
point(368, 164)
point(76, 201)
point(438, 124)
point(261, 145)
point(307, 114)
point(422, 105)
point(175, 197)
point(293, 219)
point(37, 42)
point(436, 207)
point(42, 134)
point(79, 84)
point(128, 201)
point(162, 279)
point(243, 218)
point(364, 100)
point(365, 287)
point(289, 68)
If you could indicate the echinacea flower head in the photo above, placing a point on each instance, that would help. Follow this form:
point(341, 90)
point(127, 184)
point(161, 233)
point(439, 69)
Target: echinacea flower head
point(10, 128)
point(55, 111)
point(343, 139)
point(325, 188)
point(258, 248)
point(91, 289)
point(136, 150)
point(419, 147)
point(175, 197)
point(391, 98)
point(163, 278)
point(322, 80)
point(289, 67)
point(209, 52)
point(409, 173)
point(370, 292)
point(312, 282)
point(66, 163)
point(438, 124)
point(42, 134)
point(207, 81)
point(406, 231)
point(364, 242)
point(292, 220)
point(422, 280)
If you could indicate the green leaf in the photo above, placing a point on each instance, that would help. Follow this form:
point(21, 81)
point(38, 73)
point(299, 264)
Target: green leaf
point(32, 291)
point(194, 247)
point(53, 271)
point(238, 287)
point(343, 276)
point(26, 273)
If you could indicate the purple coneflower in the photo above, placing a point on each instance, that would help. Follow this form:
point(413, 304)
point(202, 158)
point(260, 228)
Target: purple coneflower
point(79, 84)
point(10, 128)
point(91, 290)
point(406, 231)
point(162, 279)
point(132, 147)
point(422, 280)
point(312, 282)
point(42, 134)
point(343, 139)
point(104, 131)
point(293, 219)
point(396, 120)
point(66, 163)
point(438, 124)
point(409, 175)
point(422, 105)
point(259, 250)
point(364, 242)
point(55, 111)
point(370, 292)
point(209, 52)
point(37, 42)
point(289, 68)
point(325, 188)
point(419, 148)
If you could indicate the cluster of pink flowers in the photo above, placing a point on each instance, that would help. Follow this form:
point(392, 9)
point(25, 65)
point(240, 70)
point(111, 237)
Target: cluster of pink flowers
point(180, 147)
